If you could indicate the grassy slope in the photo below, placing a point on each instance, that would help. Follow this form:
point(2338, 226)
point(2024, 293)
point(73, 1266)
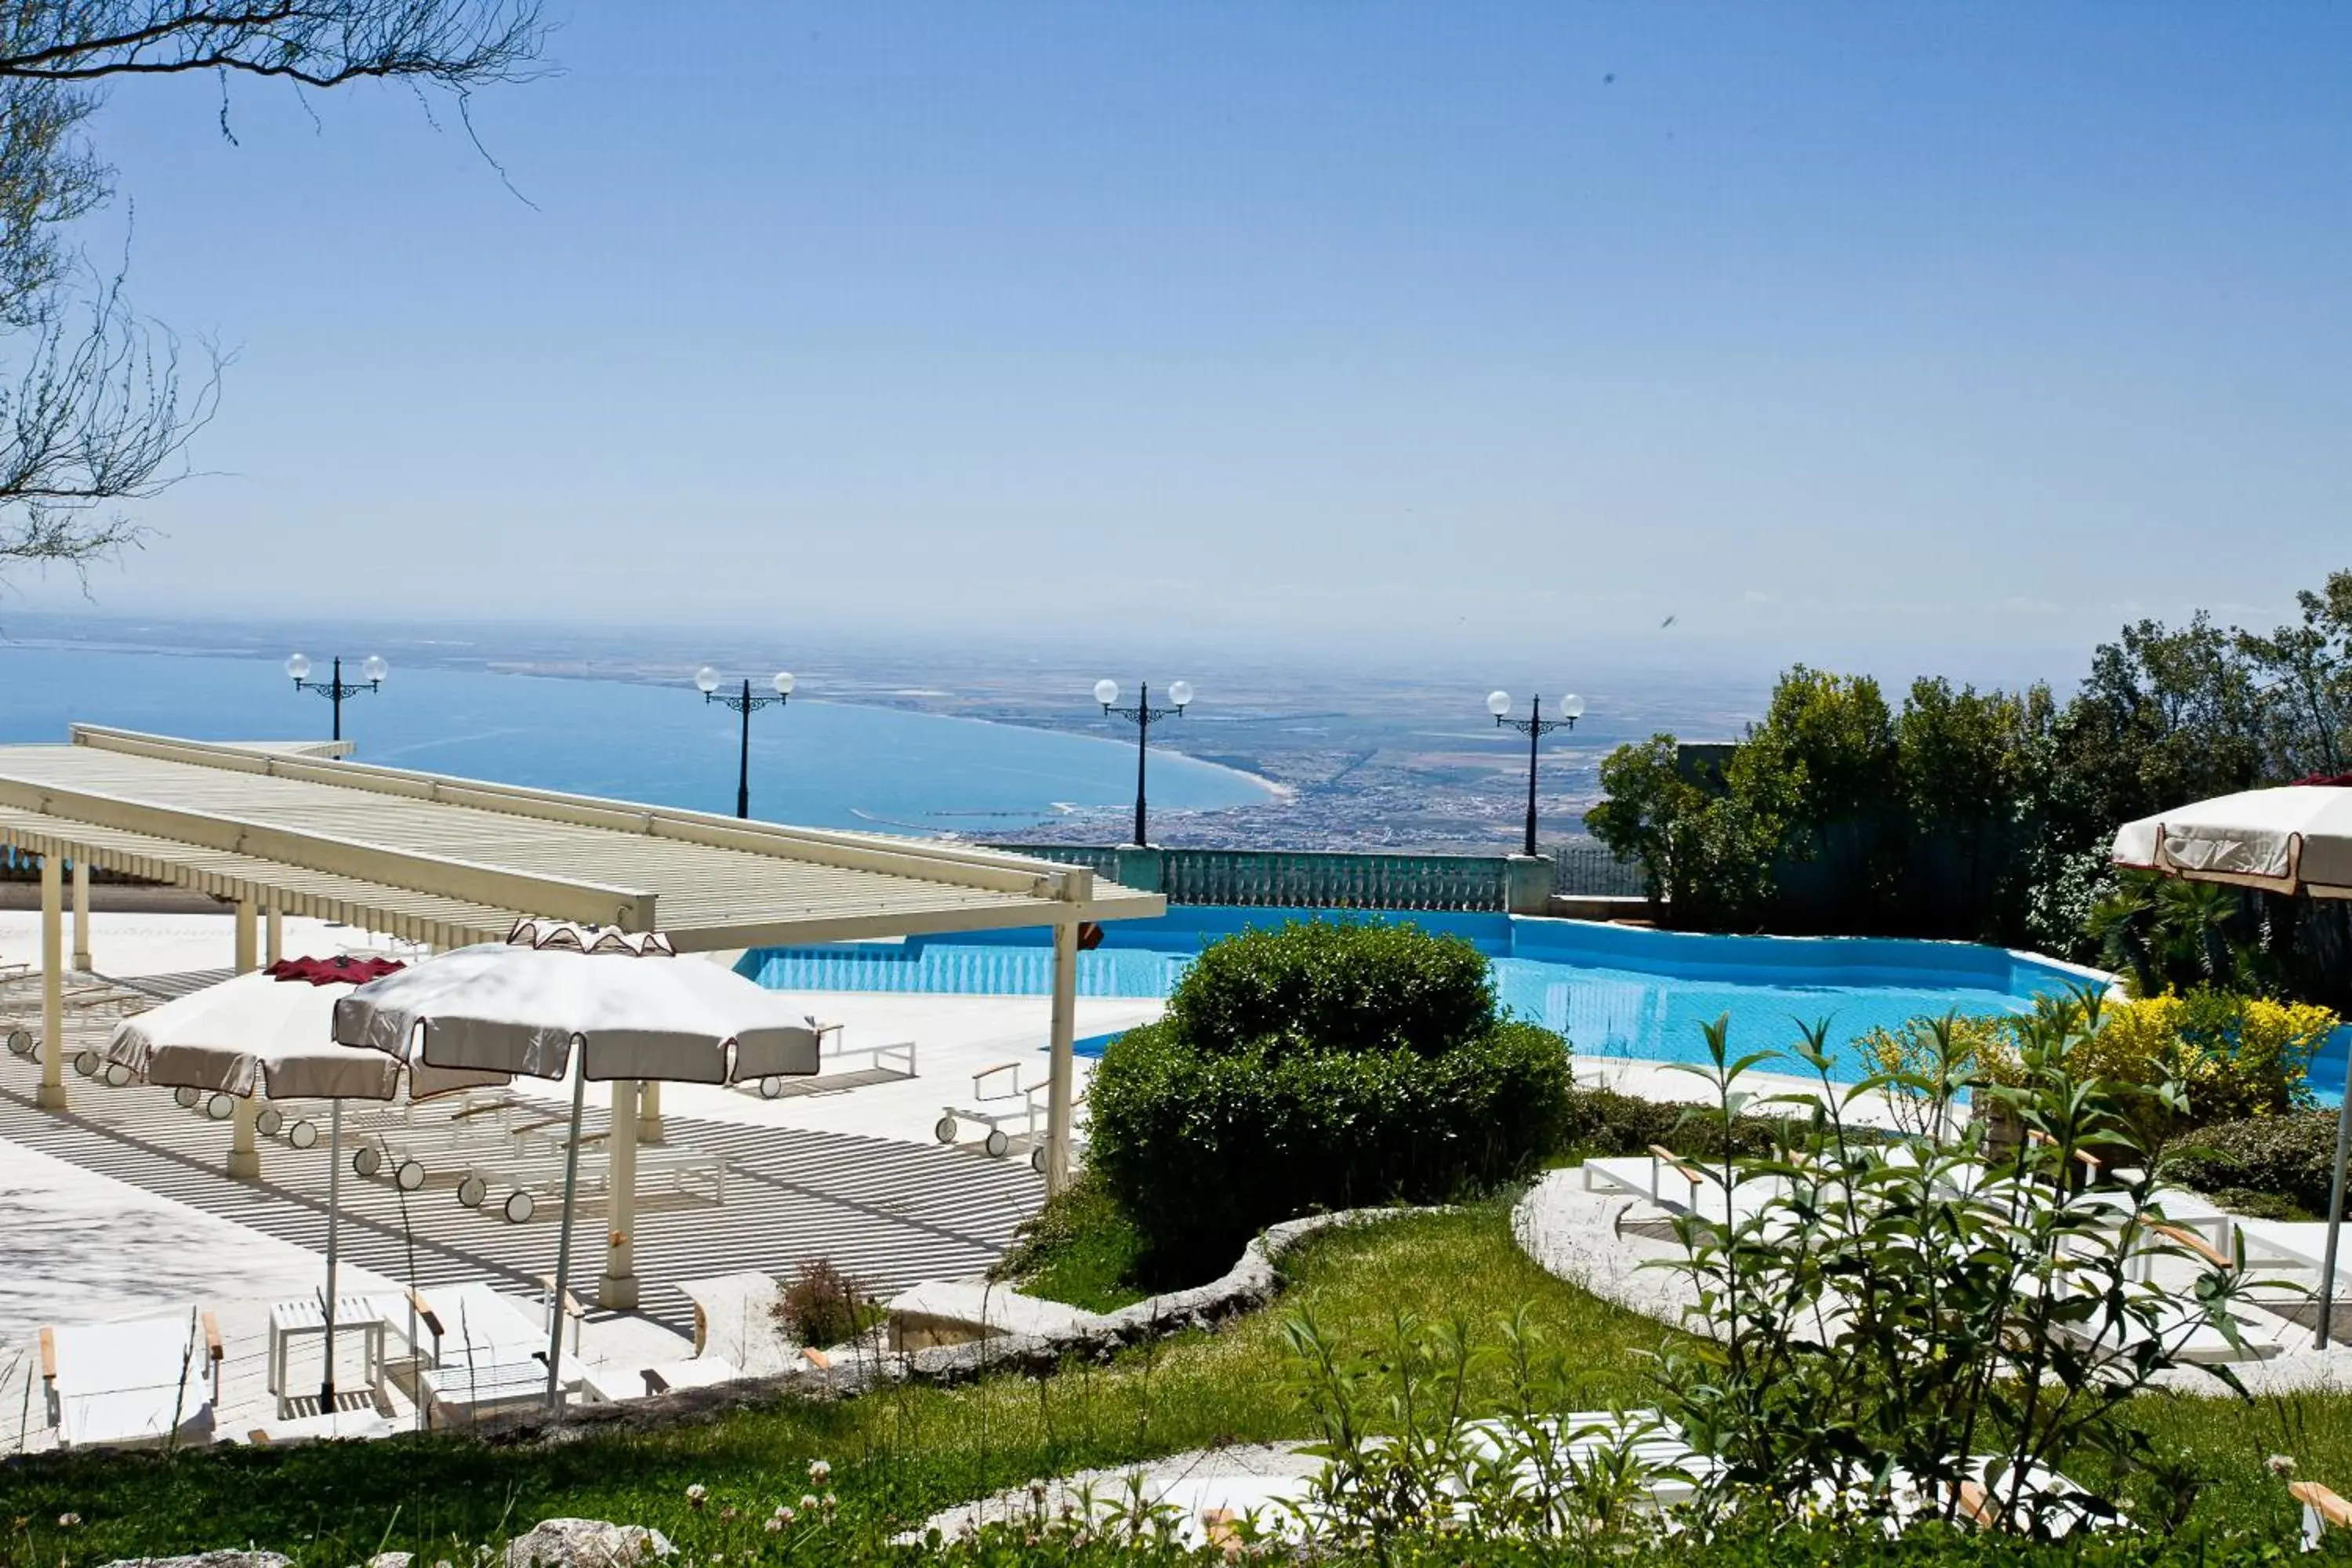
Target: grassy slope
point(899, 1456)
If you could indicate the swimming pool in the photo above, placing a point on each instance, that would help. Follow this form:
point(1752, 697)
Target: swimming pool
point(1614, 991)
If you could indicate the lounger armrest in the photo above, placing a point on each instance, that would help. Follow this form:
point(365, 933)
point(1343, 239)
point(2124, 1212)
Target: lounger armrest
point(2332, 1509)
point(1674, 1162)
point(655, 1381)
point(432, 1319)
point(1976, 1504)
point(572, 1306)
point(212, 1349)
point(48, 1354)
point(816, 1358)
point(2189, 1239)
point(980, 1080)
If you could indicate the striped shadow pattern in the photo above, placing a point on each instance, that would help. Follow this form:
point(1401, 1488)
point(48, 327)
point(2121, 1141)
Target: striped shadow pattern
point(887, 1213)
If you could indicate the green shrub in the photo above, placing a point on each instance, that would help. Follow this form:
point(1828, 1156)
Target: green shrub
point(1333, 986)
point(1318, 1067)
point(1602, 1122)
point(1080, 1247)
point(2288, 1157)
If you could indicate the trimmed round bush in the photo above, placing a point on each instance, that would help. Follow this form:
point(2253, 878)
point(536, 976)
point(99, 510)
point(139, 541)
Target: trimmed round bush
point(1319, 1066)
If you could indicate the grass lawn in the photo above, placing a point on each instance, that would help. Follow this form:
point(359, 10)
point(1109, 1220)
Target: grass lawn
point(900, 1454)
point(897, 1457)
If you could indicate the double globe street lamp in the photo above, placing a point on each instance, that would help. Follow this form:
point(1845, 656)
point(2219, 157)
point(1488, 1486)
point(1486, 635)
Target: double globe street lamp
point(334, 688)
point(1143, 715)
point(1535, 727)
point(706, 681)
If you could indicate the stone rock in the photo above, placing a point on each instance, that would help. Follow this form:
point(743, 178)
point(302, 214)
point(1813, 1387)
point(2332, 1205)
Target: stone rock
point(392, 1560)
point(209, 1559)
point(585, 1543)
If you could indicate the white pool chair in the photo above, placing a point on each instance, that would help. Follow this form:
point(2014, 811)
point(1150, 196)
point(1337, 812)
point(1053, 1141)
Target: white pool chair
point(1003, 1103)
point(145, 1383)
point(486, 1355)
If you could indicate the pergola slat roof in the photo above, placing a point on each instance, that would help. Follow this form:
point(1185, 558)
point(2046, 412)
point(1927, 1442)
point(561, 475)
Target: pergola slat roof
point(450, 861)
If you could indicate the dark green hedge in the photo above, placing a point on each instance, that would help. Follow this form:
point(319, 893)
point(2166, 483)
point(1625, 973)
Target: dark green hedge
point(1378, 1071)
point(2262, 1162)
point(1334, 986)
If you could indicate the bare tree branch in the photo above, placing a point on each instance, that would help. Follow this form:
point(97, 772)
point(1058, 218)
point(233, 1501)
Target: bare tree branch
point(319, 43)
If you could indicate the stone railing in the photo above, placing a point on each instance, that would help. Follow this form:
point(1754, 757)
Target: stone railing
point(1287, 879)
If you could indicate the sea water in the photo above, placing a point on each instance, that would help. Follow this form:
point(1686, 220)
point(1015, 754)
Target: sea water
point(816, 763)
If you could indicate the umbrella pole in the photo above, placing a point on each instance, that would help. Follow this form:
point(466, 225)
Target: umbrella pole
point(334, 1207)
point(563, 1248)
point(2334, 1209)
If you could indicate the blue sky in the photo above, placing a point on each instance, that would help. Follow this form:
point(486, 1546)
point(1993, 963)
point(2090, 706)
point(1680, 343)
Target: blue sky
point(1476, 328)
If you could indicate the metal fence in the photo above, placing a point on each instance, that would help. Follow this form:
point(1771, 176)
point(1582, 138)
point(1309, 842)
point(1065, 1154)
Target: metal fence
point(1588, 869)
point(1298, 879)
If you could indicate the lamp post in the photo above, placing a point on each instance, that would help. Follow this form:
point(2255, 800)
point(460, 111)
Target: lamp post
point(706, 681)
point(335, 688)
point(1142, 715)
point(1535, 727)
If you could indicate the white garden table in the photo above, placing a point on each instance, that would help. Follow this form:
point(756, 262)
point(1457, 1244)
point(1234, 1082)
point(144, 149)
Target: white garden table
point(289, 1321)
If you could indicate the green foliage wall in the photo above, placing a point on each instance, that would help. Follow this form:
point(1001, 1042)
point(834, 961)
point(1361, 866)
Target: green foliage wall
point(1985, 816)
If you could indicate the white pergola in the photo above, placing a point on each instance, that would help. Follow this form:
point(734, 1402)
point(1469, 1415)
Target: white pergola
point(280, 829)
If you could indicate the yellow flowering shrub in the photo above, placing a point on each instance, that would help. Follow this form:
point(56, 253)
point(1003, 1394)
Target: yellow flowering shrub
point(2237, 1056)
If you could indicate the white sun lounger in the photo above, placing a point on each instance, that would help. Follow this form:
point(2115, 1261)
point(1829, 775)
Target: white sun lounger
point(1025, 1108)
point(897, 1058)
point(486, 1352)
point(145, 1382)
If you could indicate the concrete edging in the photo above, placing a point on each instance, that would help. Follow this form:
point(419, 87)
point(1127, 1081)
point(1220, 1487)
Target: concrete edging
point(1251, 1283)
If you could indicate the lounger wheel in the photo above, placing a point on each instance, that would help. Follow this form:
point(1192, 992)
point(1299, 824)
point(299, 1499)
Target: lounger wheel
point(220, 1107)
point(517, 1208)
point(115, 1076)
point(771, 1086)
point(268, 1121)
point(20, 1042)
point(408, 1176)
point(303, 1135)
point(86, 1063)
point(997, 1144)
point(1037, 1159)
point(945, 1130)
point(366, 1160)
point(185, 1098)
point(472, 1191)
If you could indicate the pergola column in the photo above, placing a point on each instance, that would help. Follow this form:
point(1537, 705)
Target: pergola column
point(617, 1289)
point(1062, 1071)
point(649, 1115)
point(51, 1095)
point(246, 945)
point(81, 916)
point(244, 1157)
point(273, 928)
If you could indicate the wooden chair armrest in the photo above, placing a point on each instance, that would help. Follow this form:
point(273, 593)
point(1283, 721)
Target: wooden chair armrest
point(571, 1306)
point(818, 1359)
point(2191, 1241)
point(984, 1074)
point(461, 1113)
point(655, 1381)
point(425, 1310)
point(1676, 1163)
point(258, 1436)
point(1976, 1504)
point(212, 1338)
point(2331, 1508)
point(48, 1354)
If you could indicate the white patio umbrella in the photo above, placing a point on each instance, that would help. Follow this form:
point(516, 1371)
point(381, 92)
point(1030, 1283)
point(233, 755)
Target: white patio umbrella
point(631, 1008)
point(272, 1032)
point(2295, 839)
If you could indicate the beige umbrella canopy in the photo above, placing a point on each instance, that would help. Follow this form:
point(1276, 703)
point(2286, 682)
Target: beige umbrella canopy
point(2296, 838)
point(271, 1034)
point(556, 1001)
point(2293, 840)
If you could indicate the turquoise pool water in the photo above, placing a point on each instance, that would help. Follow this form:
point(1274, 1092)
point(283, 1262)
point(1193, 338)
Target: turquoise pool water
point(1614, 991)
